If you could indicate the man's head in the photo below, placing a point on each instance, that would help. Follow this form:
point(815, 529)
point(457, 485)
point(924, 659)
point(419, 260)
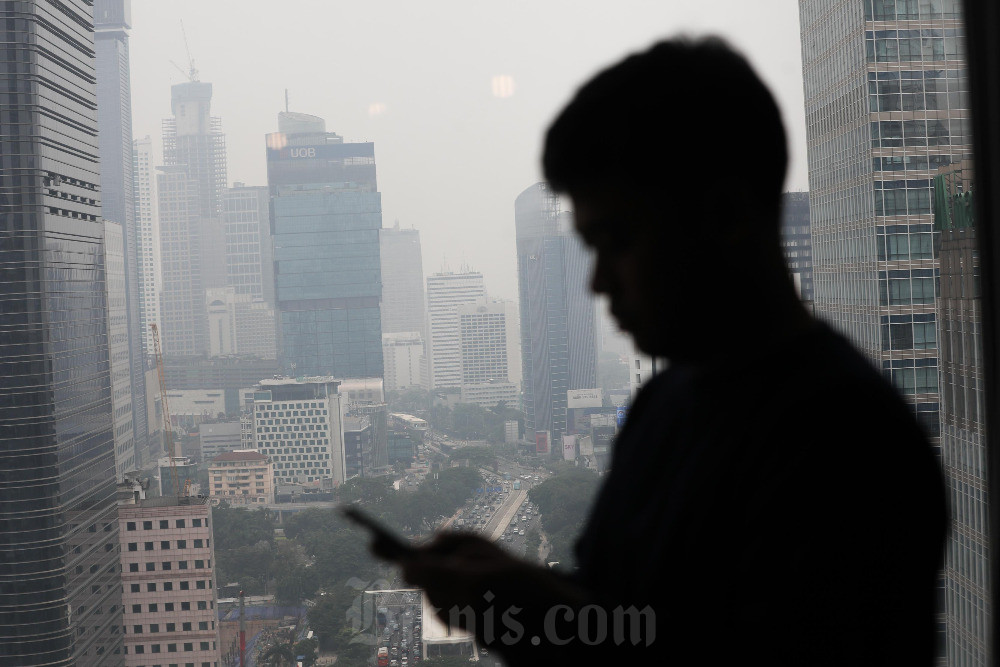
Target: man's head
point(675, 160)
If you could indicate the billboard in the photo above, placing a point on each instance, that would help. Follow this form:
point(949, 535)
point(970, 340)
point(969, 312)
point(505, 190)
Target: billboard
point(569, 447)
point(620, 413)
point(584, 398)
point(603, 436)
point(586, 445)
point(541, 442)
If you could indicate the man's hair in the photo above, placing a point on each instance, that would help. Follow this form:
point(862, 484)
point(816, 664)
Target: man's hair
point(685, 118)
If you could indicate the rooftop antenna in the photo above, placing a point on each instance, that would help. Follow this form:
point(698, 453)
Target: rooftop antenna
point(286, 100)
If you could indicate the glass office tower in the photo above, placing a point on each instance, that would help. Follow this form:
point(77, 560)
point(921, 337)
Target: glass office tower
point(558, 345)
point(112, 21)
point(60, 594)
point(887, 106)
point(326, 217)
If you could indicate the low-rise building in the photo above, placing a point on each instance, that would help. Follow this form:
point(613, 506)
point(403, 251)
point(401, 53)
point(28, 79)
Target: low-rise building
point(242, 477)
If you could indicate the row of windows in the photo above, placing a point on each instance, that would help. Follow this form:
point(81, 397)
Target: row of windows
point(154, 607)
point(911, 381)
point(169, 627)
point(911, 162)
point(167, 565)
point(911, 10)
point(164, 524)
point(140, 649)
point(165, 544)
point(906, 291)
point(895, 133)
point(151, 586)
point(915, 336)
point(906, 48)
point(897, 247)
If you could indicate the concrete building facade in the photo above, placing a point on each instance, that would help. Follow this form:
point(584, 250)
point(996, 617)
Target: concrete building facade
point(168, 585)
point(242, 477)
point(190, 186)
point(218, 438)
point(490, 354)
point(299, 425)
point(445, 293)
point(404, 359)
point(147, 238)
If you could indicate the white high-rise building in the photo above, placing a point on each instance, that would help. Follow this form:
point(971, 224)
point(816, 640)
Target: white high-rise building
point(147, 239)
point(445, 293)
point(403, 356)
point(490, 352)
point(239, 324)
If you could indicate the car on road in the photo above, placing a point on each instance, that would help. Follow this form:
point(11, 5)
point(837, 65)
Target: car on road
point(521, 533)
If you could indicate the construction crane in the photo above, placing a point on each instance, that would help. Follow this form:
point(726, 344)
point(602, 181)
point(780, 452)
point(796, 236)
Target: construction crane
point(192, 73)
point(166, 410)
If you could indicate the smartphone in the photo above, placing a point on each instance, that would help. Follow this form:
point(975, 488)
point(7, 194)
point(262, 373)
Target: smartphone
point(387, 543)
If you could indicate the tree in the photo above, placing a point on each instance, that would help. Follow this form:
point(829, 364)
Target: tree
point(564, 502)
point(278, 655)
point(307, 648)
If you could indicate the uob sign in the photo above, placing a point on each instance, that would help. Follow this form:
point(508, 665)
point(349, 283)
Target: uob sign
point(302, 152)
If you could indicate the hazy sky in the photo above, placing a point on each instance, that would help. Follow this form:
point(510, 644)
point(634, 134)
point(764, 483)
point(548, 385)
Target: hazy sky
point(418, 79)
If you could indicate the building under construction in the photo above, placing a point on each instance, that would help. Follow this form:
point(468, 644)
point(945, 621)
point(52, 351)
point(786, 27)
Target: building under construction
point(190, 188)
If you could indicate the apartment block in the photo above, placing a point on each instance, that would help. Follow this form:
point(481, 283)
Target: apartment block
point(242, 477)
point(168, 582)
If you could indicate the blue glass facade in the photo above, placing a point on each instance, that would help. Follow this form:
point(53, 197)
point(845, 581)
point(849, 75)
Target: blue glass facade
point(326, 216)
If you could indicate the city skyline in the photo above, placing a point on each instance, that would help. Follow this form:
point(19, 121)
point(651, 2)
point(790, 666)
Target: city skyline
point(493, 142)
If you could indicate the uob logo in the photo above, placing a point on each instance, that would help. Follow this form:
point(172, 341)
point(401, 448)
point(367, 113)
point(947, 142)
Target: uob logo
point(303, 152)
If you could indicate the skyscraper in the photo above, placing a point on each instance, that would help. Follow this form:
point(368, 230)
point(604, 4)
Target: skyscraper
point(403, 307)
point(112, 20)
point(59, 586)
point(968, 604)
point(183, 310)
point(490, 353)
point(558, 347)
point(404, 311)
point(886, 96)
point(328, 282)
point(190, 188)
point(796, 242)
point(147, 239)
point(445, 293)
point(118, 349)
point(249, 263)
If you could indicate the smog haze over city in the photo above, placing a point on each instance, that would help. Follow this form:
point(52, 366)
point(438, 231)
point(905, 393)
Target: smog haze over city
point(418, 80)
point(302, 361)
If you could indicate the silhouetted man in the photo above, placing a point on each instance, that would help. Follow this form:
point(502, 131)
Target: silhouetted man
point(771, 499)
